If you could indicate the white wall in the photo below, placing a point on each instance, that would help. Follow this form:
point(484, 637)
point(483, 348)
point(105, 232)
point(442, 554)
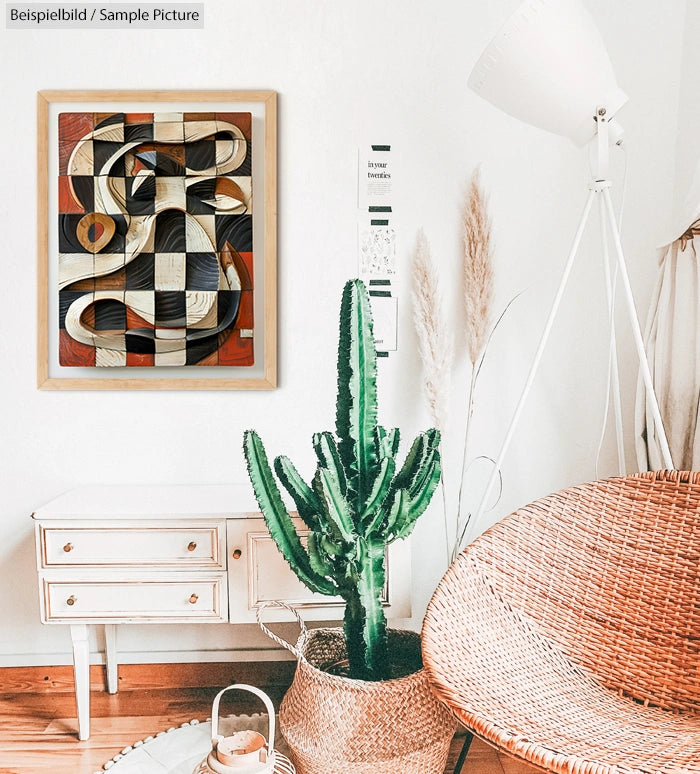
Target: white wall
point(347, 73)
point(688, 146)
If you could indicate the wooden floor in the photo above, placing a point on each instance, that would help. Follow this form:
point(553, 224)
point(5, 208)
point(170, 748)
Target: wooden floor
point(38, 730)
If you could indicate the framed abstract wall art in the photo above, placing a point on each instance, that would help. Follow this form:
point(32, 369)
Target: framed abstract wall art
point(157, 240)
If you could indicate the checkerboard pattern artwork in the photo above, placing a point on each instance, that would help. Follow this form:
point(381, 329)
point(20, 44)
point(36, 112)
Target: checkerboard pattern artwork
point(155, 239)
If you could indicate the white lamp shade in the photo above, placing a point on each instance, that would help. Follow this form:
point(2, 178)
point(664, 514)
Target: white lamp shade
point(548, 66)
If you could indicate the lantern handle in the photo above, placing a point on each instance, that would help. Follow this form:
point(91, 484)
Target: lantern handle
point(303, 635)
point(216, 737)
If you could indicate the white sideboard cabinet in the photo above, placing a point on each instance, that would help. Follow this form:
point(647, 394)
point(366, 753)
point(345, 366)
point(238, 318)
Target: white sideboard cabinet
point(113, 555)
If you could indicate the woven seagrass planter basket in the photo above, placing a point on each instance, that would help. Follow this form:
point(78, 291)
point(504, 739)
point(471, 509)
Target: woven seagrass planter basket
point(335, 724)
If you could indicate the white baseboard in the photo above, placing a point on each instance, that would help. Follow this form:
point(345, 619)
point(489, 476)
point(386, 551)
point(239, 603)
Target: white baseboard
point(149, 657)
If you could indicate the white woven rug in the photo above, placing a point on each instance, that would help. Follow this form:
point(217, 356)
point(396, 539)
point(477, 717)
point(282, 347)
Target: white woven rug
point(179, 750)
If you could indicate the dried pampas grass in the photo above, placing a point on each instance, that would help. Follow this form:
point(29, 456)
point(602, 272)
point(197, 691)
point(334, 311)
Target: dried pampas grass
point(477, 267)
point(434, 336)
point(434, 346)
point(477, 277)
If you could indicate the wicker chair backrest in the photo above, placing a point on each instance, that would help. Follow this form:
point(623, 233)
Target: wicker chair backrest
point(610, 571)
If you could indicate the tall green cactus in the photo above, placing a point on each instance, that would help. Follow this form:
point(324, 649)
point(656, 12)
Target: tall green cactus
point(358, 502)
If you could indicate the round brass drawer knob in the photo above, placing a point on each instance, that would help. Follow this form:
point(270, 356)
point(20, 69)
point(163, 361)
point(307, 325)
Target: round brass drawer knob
point(193, 599)
point(71, 600)
point(68, 547)
point(237, 554)
point(192, 546)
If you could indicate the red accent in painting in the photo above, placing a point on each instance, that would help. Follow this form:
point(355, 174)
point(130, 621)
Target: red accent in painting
point(71, 128)
point(134, 320)
point(241, 120)
point(248, 261)
point(138, 166)
point(66, 202)
point(138, 118)
point(72, 352)
point(245, 311)
point(236, 351)
point(140, 359)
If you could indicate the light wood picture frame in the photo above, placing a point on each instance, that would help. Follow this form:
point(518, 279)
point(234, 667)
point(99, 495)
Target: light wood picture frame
point(156, 352)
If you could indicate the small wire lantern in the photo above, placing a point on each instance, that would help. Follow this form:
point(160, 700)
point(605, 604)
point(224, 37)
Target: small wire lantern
point(246, 752)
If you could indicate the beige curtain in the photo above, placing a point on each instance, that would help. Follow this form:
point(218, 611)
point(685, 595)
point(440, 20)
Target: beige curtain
point(672, 340)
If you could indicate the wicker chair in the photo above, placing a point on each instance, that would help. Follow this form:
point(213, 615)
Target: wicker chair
point(569, 634)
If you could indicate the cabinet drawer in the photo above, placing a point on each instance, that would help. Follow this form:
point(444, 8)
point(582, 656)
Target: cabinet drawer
point(257, 572)
point(178, 599)
point(188, 545)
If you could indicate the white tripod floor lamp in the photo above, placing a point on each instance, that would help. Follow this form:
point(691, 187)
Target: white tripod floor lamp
point(548, 66)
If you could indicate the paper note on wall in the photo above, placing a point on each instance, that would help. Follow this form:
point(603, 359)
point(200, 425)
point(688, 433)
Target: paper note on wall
point(375, 176)
point(377, 240)
point(377, 245)
point(384, 314)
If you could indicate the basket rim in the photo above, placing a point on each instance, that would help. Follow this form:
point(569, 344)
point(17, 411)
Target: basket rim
point(353, 683)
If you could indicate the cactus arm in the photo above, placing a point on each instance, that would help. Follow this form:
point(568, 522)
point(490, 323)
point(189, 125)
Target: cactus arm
point(337, 506)
point(419, 502)
point(316, 557)
point(303, 495)
point(321, 562)
point(328, 457)
point(398, 512)
point(412, 463)
point(356, 407)
point(380, 441)
point(394, 439)
point(386, 442)
point(331, 548)
point(420, 455)
point(326, 525)
point(422, 473)
point(379, 492)
point(277, 519)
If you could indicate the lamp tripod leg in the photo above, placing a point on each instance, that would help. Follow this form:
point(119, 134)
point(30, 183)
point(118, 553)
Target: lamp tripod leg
point(637, 333)
point(614, 372)
point(538, 357)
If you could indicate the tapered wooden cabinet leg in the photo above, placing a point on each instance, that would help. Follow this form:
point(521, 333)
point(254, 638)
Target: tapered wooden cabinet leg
point(81, 672)
point(111, 662)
